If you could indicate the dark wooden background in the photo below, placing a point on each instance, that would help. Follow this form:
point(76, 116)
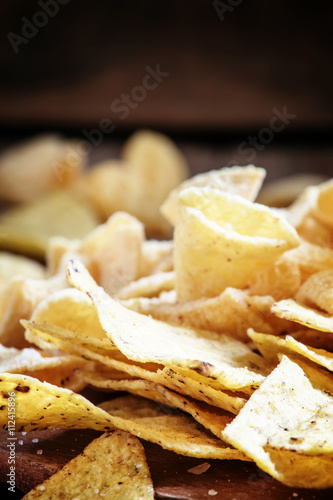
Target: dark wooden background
point(224, 74)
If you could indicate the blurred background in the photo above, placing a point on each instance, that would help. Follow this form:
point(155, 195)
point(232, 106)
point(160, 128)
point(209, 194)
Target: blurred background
point(230, 82)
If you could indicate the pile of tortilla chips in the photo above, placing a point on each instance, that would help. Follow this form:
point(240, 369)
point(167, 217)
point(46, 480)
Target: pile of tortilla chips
point(222, 339)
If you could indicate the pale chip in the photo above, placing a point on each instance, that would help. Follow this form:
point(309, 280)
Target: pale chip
point(212, 418)
point(27, 228)
point(232, 312)
point(71, 310)
point(286, 399)
point(37, 166)
point(13, 265)
point(243, 181)
point(282, 192)
point(270, 346)
point(18, 300)
point(148, 286)
point(151, 167)
point(293, 311)
point(114, 251)
point(51, 339)
point(317, 291)
point(112, 466)
point(169, 428)
point(222, 240)
point(143, 339)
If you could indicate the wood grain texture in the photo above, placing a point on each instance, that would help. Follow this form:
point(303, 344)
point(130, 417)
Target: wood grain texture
point(233, 480)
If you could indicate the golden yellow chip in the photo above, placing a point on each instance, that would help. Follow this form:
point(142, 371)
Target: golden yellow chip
point(223, 240)
point(152, 165)
point(114, 251)
point(317, 291)
point(270, 346)
point(18, 300)
point(157, 256)
point(57, 370)
point(35, 167)
point(290, 309)
point(148, 286)
point(13, 265)
point(52, 339)
point(112, 466)
point(71, 310)
point(169, 428)
point(283, 279)
point(314, 338)
point(39, 405)
point(232, 312)
point(27, 228)
point(243, 181)
point(142, 339)
point(212, 418)
point(283, 403)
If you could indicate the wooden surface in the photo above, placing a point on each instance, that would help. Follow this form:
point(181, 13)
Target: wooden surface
point(223, 74)
point(233, 480)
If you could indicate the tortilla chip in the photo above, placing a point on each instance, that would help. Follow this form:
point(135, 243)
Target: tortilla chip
point(291, 310)
point(13, 265)
point(223, 240)
point(113, 251)
point(112, 466)
point(157, 256)
point(51, 339)
point(18, 300)
point(183, 384)
point(243, 181)
point(232, 312)
point(313, 436)
point(314, 338)
point(270, 346)
point(143, 339)
point(169, 428)
point(323, 209)
point(151, 166)
point(27, 228)
point(57, 370)
point(311, 214)
point(317, 291)
point(285, 400)
point(55, 407)
point(57, 247)
point(283, 279)
point(212, 418)
point(37, 166)
point(71, 310)
point(39, 406)
point(282, 192)
point(148, 286)
point(157, 167)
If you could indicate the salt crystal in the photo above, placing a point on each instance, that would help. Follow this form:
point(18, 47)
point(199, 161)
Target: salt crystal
point(96, 490)
point(34, 440)
point(39, 452)
point(20, 441)
point(42, 487)
point(23, 433)
point(212, 493)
